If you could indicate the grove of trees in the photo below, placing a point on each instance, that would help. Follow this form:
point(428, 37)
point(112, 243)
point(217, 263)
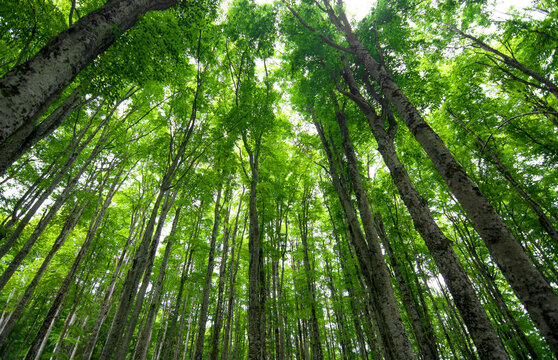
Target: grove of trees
point(223, 180)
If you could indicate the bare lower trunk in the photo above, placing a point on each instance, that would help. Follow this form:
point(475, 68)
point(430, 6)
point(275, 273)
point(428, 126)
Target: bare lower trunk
point(198, 352)
point(218, 318)
point(144, 338)
point(373, 265)
point(487, 341)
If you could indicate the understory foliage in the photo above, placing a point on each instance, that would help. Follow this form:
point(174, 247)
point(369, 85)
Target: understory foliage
point(281, 181)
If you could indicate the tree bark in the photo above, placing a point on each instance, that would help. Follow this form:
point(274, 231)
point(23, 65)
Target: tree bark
point(144, 338)
point(198, 352)
point(28, 90)
point(486, 340)
point(373, 266)
point(527, 282)
point(70, 223)
point(35, 348)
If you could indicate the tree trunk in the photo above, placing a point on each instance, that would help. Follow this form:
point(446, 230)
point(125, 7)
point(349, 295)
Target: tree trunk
point(486, 340)
point(75, 151)
point(70, 223)
point(256, 339)
point(144, 337)
point(317, 352)
point(198, 352)
point(41, 226)
point(233, 269)
point(372, 263)
point(35, 348)
point(528, 284)
point(122, 349)
point(107, 303)
point(28, 90)
point(214, 354)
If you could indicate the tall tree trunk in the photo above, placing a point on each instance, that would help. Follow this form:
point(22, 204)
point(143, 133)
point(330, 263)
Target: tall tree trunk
point(144, 337)
point(233, 269)
point(198, 352)
point(41, 226)
point(528, 284)
point(26, 136)
point(107, 303)
point(372, 262)
point(122, 349)
point(214, 354)
point(70, 223)
point(34, 350)
point(28, 90)
point(486, 340)
point(256, 339)
point(317, 352)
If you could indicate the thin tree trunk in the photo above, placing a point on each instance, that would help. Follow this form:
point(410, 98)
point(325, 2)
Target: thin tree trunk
point(217, 322)
point(255, 267)
point(75, 151)
point(35, 348)
point(122, 349)
point(107, 303)
point(41, 226)
point(372, 263)
point(144, 337)
point(198, 352)
point(233, 269)
point(317, 352)
point(70, 223)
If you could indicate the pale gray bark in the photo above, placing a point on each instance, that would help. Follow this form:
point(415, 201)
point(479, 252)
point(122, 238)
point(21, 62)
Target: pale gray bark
point(487, 341)
point(45, 220)
point(28, 135)
point(256, 339)
point(539, 299)
point(170, 342)
point(121, 351)
point(218, 318)
point(107, 303)
point(233, 269)
point(396, 341)
point(316, 345)
point(36, 347)
point(28, 90)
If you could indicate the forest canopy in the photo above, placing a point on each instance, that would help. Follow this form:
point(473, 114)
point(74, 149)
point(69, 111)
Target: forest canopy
point(205, 179)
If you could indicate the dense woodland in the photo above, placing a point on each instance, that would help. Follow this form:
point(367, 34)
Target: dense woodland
point(196, 179)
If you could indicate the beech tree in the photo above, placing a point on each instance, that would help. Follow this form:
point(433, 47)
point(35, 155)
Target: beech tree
point(192, 180)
